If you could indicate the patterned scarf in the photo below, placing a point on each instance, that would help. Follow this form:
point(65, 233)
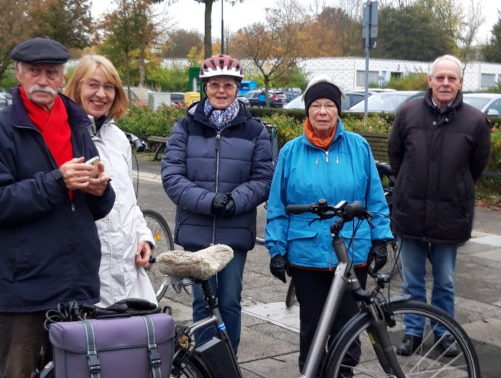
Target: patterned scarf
point(221, 118)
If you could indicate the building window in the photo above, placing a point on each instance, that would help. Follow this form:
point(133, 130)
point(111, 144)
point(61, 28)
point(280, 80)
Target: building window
point(373, 78)
point(395, 75)
point(488, 80)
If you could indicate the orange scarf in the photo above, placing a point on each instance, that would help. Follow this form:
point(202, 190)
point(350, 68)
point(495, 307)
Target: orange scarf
point(310, 135)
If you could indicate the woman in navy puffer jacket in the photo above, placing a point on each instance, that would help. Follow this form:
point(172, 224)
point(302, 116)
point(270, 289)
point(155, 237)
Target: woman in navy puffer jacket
point(217, 170)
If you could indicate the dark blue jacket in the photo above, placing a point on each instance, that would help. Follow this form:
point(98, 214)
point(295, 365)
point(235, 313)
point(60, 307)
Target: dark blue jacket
point(200, 162)
point(49, 247)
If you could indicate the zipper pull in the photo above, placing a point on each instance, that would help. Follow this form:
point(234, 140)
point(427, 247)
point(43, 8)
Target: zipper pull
point(218, 139)
point(337, 159)
point(326, 156)
point(73, 207)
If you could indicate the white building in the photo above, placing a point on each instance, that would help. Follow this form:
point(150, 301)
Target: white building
point(349, 72)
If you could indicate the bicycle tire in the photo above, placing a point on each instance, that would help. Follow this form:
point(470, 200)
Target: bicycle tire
point(426, 361)
point(164, 242)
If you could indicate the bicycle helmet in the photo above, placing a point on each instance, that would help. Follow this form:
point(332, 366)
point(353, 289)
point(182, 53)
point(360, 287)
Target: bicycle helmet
point(221, 65)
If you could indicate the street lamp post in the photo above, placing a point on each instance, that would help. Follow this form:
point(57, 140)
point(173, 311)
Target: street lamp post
point(222, 27)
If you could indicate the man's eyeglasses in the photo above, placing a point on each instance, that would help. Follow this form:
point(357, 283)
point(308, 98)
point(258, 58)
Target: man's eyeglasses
point(108, 88)
point(226, 86)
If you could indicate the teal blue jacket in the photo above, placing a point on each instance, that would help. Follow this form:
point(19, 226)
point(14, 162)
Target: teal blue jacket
point(306, 173)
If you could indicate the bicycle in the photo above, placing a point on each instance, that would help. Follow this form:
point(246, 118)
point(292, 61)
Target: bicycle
point(388, 183)
point(159, 228)
point(214, 358)
point(376, 330)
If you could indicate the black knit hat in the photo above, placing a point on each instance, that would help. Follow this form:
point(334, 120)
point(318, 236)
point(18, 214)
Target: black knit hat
point(39, 51)
point(322, 89)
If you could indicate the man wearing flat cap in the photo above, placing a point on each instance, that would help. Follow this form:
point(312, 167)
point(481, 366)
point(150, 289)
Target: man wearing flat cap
point(49, 201)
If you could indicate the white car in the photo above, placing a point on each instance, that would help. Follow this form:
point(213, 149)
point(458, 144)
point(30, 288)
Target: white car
point(386, 102)
point(487, 103)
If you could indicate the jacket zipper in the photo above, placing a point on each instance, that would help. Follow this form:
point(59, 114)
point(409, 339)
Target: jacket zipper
point(218, 142)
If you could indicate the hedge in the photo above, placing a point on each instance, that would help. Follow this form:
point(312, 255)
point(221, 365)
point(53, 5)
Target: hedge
point(142, 121)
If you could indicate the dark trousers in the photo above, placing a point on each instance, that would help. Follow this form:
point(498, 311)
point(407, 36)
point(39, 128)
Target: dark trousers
point(21, 339)
point(312, 288)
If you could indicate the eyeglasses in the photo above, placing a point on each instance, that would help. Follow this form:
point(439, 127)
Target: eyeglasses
point(328, 106)
point(94, 85)
point(226, 86)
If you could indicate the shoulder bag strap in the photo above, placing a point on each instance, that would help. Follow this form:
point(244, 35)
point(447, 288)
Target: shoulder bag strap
point(154, 356)
point(92, 357)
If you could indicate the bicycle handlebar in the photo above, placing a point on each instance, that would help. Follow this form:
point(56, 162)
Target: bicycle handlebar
point(346, 211)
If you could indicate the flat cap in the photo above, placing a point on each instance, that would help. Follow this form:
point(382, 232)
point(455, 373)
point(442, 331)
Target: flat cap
point(40, 50)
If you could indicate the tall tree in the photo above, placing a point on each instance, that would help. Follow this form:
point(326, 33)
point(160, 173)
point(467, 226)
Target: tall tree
point(421, 30)
point(471, 22)
point(273, 46)
point(207, 21)
point(14, 28)
point(492, 51)
point(180, 43)
point(129, 33)
point(67, 21)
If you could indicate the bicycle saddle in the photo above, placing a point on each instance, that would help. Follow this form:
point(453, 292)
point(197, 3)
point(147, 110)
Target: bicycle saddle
point(199, 265)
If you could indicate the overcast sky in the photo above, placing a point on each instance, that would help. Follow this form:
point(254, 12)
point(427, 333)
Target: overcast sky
point(189, 14)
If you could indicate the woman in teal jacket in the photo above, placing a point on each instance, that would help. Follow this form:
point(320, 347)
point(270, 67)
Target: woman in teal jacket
point(325, 162)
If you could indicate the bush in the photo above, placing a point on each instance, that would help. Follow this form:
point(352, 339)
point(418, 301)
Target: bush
point(141, 120)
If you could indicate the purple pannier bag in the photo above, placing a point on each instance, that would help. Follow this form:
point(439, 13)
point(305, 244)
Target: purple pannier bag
point(123, 347)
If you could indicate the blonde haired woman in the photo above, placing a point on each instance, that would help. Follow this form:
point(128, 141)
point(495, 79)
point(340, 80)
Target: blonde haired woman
point(126, 241)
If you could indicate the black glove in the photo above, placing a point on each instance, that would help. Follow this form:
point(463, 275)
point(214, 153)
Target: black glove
point(229, 209)
point(279, 266)
point(379, 254)
point(219, 203)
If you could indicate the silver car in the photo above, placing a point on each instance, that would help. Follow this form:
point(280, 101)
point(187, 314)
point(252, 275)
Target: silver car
point(487, 103)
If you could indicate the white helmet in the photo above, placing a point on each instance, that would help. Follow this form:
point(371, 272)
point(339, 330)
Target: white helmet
point(221, 65)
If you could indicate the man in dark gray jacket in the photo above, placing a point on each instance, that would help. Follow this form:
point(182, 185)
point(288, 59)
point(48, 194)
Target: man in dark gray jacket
point(217, 170)
point(438, 148)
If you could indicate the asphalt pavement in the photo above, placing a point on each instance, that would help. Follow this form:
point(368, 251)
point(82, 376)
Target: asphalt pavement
point(270, 341)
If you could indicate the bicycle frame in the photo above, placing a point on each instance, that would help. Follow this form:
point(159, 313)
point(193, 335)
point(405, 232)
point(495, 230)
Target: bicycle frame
point(345, 279)
point(217, 354)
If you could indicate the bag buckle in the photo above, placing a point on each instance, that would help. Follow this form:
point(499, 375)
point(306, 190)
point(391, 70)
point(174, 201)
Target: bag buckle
point(93, 362)
point(155, 359)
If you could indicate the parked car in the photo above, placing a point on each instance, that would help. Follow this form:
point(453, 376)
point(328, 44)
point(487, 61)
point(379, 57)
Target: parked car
point(349, 99)
point(487, 103)
point(386, 102)
point(257, 98)
point(5, 98)
point(245, 100)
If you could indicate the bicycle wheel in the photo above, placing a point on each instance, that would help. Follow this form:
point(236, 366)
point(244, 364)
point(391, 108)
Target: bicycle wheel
point(164, 242)
point(427, 361)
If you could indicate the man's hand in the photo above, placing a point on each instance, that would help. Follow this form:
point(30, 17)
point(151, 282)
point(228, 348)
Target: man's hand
point(143, 254)
point(379, 254)
point(97, 186)
point(76, 174)
point(279, 266)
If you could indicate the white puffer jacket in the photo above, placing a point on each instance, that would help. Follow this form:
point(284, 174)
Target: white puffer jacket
point(122, 229)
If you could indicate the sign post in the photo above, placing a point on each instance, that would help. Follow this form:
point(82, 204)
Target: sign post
point(369, 36)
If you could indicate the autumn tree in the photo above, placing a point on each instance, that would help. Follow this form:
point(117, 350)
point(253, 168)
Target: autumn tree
point(180, 43)
point(492, 51)
point(207, 21)
point(13, 21)
point(129, 34)
point(66, 21)
point(273, 46)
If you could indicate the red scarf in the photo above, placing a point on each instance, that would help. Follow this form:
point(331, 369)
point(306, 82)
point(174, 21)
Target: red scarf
point(53, 125)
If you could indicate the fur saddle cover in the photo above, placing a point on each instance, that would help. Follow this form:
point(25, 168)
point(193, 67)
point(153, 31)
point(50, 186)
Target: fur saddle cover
point(200, 265)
